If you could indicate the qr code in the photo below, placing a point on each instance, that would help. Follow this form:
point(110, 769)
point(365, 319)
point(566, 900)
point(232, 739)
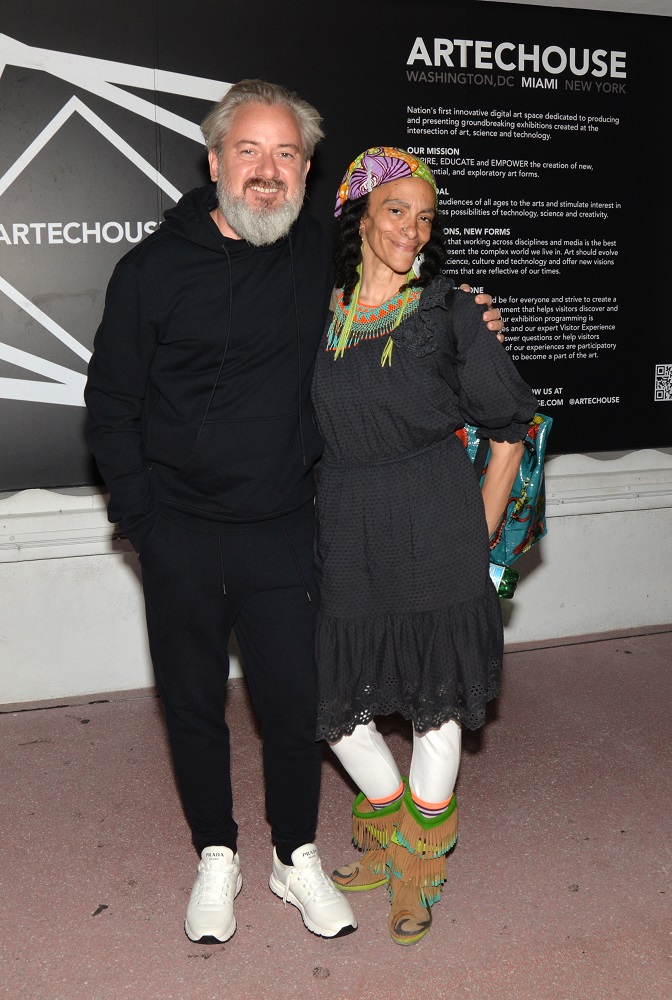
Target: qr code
point(663, 384)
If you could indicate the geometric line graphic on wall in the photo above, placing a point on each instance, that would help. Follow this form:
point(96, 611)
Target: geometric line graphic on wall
point(105, 79)
point(50, 130)
point(67, 387)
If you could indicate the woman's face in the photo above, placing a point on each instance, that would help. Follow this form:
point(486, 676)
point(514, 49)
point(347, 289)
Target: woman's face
point(397, 224)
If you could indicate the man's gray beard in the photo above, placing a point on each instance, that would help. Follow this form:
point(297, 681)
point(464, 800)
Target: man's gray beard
point(263, 225)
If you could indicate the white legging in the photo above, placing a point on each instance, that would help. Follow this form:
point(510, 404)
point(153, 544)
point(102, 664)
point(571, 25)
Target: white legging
point(434, 764)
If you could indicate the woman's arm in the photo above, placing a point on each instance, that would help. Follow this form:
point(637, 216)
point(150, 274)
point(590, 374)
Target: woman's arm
point(501, 472)
point(492, 316)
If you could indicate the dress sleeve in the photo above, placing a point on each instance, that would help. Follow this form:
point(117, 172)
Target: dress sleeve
point(491, 393)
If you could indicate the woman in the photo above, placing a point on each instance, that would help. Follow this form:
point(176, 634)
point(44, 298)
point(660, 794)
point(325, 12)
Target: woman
point(409, 619)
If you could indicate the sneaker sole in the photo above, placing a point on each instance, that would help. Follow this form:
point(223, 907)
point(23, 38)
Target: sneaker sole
point(213, 938)
point(210, 938)
point(277, 887)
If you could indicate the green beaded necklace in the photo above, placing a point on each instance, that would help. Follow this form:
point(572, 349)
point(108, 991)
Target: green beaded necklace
point(370, 323)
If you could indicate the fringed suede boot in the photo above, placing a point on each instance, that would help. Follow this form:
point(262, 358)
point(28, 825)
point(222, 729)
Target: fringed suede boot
point(372, 831)
point(417, 860)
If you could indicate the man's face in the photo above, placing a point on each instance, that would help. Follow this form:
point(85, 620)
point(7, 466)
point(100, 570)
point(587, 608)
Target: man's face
point(260, 173)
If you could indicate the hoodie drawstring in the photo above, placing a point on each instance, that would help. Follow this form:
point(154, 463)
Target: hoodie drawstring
point(226, 349)
point(298, 567)
point(298, 353)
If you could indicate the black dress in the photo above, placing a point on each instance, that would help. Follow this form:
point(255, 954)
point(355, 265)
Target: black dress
point(409, 621)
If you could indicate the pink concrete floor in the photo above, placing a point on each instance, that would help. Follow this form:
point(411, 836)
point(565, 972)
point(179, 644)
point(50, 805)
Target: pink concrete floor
point(559, 888)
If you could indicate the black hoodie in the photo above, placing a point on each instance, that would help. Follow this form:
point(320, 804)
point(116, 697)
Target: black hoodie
point(198, 390)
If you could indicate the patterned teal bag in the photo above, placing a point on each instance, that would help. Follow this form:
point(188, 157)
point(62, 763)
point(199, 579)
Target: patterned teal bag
point(524, 520)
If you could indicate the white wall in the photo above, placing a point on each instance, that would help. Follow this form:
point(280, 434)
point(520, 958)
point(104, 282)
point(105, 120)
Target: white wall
point(71, 610)
point(606, 562)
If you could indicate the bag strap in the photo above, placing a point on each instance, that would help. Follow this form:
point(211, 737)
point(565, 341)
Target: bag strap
point(481, 456)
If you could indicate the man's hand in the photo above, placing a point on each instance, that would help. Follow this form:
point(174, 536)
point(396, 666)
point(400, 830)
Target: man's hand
point(491, 317)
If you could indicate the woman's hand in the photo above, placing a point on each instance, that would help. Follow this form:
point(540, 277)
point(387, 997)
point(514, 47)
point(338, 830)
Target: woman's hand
point(499, 478)
point(491, 317)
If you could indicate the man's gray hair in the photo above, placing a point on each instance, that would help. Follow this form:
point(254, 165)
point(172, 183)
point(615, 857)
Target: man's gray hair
point(217, 123)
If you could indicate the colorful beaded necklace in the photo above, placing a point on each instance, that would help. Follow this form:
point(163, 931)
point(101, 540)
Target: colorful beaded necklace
point(356, 322)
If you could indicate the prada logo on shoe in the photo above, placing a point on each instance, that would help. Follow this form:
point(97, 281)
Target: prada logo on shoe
point(309, 854)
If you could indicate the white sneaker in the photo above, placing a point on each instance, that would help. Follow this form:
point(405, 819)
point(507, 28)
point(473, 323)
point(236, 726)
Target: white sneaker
point(307, 886)
point(210, 916)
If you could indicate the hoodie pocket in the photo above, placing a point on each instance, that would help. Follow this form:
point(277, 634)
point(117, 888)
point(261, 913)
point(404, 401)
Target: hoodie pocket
point(251, 466)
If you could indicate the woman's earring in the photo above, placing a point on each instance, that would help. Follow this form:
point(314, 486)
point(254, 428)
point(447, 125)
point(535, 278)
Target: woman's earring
point(417, 264)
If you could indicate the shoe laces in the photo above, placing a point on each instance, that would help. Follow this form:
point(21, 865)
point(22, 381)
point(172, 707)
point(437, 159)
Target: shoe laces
point(315, 879)
point(216, 885)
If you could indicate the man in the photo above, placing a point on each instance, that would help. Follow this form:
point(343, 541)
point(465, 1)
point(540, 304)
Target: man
point(200, 422)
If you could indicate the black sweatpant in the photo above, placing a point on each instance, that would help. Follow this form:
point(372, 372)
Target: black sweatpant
point(256, 579)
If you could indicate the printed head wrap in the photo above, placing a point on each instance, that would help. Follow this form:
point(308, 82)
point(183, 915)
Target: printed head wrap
point(376, 166)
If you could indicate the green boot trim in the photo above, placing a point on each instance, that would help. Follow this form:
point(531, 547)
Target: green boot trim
point(372, 813)
point(427, 836)
point(373, 828)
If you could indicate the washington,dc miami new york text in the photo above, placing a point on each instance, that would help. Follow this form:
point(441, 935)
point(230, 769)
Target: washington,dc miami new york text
point(508, 64)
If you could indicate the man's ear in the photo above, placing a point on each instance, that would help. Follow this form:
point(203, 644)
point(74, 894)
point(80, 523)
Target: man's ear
point(213, 160)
